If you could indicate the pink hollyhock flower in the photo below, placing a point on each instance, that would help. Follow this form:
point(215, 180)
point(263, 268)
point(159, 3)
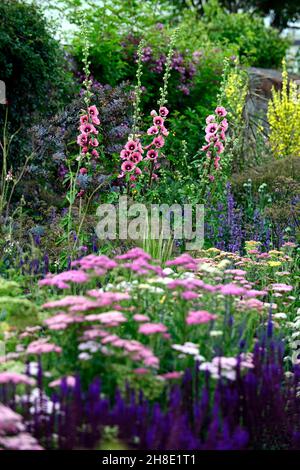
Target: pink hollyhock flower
point(94, 143)
point(41, 346)
point(224, 125)
point(137, 171)
point(152, 154)
point(222, 135)
point(82, 140)
point(211, 178)
point(84, 119)
point(152, 130)
point(211, 138)
point(83, 171)
point(93, 111)
point(164, 131)
point(95, 120)
point(131, 146)
point(211, 128)
point(153, 113)
point(159, 141)
point(88, 128)
point(132, 178)
point(135, 157)
point(197, 317)
point(163, 111)
point(125, 154)
point(152, 328)
point(127, 166)
point(210, 118)
point(158, 121)
point(84, 150)
point(95, 154)
point(219, 147)
point(220, 111)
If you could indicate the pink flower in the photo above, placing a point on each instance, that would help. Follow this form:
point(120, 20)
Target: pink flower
point(152, 154)
point(83, 171)
point(152, 328)
point(135, 157)
point(152, 130)
point(189, 295)
point(220, 111)
point(163, 111)
point(141, 318)
point(159, 141)
point(88, 128)
point(197, 317)
point(93, 111)
point(224, 125)
point(164, 131)
point(125, 154)
point(158, 121)
point(70, 381)
point(127, 166)
point(210, 118)
point(171, 375)
point(153, 113)
point(94, 143)
point(82, 140)
point(95, 154)
point(41, 346)
point(131, 146)
point(15, 378)
point(281, 287)
point(137, 171)
point(95, 120)
point(211, 128)
point(84, 119)
point(232, 289)
point(219, 147)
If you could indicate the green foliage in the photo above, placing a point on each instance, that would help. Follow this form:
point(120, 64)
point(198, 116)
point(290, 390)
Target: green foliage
point(15, 311)
point(32, 65)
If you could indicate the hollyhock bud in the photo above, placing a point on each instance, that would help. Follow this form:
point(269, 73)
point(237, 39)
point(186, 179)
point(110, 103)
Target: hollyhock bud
point(85, 150)
point(95, 120)
point(95, 154)
point(210, 118)
point(153, 113)
point(219, 147)
point(83, 171)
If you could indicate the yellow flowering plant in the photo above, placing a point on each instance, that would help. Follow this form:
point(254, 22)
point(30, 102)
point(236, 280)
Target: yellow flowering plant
point(283, 117)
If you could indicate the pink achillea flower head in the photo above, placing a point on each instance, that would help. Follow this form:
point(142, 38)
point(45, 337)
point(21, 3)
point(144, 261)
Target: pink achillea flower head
point(152, 328)
point(189, 295)
point(220, 111)
point(281, 287)
point(15, 378)
point(232, 289)
point(127, 166)
point(41, 346)
point(152, 130)
point(70, 382)
point(197, 317)
point(152, 154)
point(82, 140)
point(141, 318)
point(134, 253)
point(131, 146)
point(158, 121)
point(163, 111)
point(159, 141)
point(93, 111)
